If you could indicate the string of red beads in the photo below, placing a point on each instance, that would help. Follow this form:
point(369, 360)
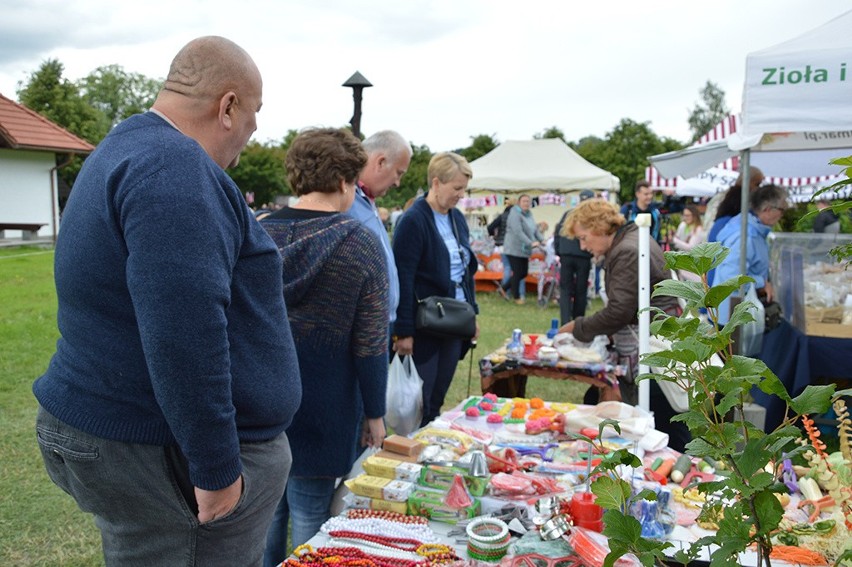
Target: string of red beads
point(405, 544)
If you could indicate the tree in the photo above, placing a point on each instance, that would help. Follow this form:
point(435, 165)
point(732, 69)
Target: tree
point(709, 111)
point(625, 153)
point(591, 149)
point(482, 144)
point(261, 171)
point(548, 133)
point(118, 94)
point(57, 99)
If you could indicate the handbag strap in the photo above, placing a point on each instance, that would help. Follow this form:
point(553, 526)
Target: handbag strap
point(464, 271)
point(464, 264)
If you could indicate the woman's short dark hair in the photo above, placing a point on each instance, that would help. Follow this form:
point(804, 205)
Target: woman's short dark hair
point(768, 196)
point(320, 158)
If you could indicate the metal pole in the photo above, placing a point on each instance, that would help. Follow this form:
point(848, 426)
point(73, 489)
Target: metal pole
point(643, 221)
point(745, 197)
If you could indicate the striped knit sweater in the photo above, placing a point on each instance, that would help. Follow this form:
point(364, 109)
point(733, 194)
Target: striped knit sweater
point(335, 288)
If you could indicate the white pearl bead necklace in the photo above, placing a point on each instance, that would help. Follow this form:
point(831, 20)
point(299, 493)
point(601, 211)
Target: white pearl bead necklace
point(374, 548)
point(381, 527)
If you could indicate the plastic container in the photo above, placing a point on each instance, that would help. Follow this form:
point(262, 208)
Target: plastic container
point(554, 328)
point(585, 512)
point(515, 348)
point(810, 285)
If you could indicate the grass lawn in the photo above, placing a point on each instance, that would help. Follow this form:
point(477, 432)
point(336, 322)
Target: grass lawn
point(39, 524)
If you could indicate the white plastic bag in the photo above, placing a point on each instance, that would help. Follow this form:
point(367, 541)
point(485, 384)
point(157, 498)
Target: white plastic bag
point(404, 397)
point(751, 334)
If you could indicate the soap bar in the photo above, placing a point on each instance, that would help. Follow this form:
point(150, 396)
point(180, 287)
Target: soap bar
point(392, 468)
point(378, 487)
point(402, 445)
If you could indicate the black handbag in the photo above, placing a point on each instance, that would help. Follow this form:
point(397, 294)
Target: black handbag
point(773, 313)
point(445, 317)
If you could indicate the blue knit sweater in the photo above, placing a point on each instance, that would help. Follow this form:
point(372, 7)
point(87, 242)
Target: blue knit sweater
point(336, 289)
point(423, 262)
point(170, 306)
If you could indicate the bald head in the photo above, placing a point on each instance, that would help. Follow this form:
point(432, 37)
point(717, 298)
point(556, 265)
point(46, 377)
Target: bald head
point(209, 66)
point(212, 94)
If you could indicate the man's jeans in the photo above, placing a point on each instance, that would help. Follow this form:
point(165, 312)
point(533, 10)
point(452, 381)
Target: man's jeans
point(144, 503)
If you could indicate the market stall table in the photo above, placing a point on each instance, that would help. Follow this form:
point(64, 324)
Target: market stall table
point(507, 377)
point(460, 420)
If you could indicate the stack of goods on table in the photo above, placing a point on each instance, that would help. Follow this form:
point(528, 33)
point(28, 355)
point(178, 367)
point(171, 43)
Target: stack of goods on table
point(507, 480)
point(559, 351)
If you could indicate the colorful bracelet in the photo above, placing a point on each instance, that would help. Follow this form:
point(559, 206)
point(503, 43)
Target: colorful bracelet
point(487, 530)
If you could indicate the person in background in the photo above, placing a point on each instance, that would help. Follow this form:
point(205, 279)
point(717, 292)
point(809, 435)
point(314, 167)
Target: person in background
point(433, 253)
point(156, 413)
point(728, 207)
point(497, 230)
point(384, 216)
point(672, 203)
point(575, 266)
point(388, 158)
point(604, 232)
point(689, 234)
point(826, 220)
point(335, 287)
point(522, 235)
point(394, 217)
point(714, 211)
point(767, 206)
point(644, 203)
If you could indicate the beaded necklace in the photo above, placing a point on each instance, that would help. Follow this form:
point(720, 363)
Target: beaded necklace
point(307, 556)
point(402, 543)
point(361, 513)
point(381, 527)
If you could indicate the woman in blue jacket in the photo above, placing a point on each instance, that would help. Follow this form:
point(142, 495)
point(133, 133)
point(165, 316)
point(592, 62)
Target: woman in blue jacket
point(768, 204)
point(433, 256)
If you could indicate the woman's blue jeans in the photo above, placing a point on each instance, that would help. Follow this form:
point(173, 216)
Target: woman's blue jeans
point(307, 501)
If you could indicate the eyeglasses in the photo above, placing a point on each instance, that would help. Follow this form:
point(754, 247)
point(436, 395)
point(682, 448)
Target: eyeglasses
point(777, 208)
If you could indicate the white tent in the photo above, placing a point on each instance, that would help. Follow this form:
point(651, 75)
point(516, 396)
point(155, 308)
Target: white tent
point(809, 69)
point(537, 166)
point(802, 89)
point(718, 179)
point(799, 90)
point(546, 168)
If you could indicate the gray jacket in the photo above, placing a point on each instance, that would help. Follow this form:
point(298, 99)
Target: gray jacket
point(521, 232)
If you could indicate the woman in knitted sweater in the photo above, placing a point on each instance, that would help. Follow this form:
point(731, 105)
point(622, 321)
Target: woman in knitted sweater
point(335, 288)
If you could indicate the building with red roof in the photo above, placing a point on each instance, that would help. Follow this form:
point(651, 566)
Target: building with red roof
point(32, 149)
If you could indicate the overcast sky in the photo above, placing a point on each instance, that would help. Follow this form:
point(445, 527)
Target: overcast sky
point(443, 71)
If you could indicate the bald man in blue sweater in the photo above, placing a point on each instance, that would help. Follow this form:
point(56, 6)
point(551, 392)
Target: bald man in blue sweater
point(164, 408)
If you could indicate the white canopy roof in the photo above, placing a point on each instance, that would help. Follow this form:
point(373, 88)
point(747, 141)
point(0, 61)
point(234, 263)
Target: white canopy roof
point(547, 165)
point(810, 110)
point(803, 84)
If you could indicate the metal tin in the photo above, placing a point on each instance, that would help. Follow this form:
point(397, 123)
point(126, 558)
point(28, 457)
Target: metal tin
point(554, 528)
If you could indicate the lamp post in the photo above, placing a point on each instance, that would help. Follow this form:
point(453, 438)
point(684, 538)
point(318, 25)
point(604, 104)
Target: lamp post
point(358, 83)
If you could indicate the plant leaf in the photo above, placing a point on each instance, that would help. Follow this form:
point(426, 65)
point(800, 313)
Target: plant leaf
point(769, 511)
point(612, 494)
point(813, 400)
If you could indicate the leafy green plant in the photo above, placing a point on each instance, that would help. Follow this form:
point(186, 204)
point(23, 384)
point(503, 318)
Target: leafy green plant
point(743, 505)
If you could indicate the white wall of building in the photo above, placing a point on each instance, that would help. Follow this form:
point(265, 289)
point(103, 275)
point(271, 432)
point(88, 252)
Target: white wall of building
point(25, 190)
